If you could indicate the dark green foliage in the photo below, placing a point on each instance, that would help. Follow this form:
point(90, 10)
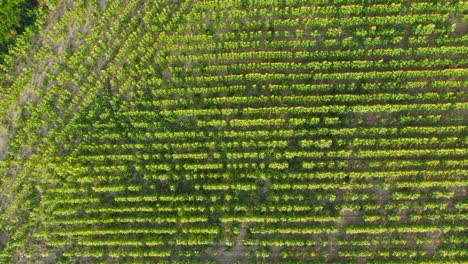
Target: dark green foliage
point(15, 15)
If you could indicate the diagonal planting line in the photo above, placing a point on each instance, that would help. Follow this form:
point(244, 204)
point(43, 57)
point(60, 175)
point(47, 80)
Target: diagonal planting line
point(11, 188)
point(29, 134)
point(46, 153)
point(85, 103)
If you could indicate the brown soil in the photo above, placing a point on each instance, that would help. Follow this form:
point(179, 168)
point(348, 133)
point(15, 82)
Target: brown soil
point(236, 252)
